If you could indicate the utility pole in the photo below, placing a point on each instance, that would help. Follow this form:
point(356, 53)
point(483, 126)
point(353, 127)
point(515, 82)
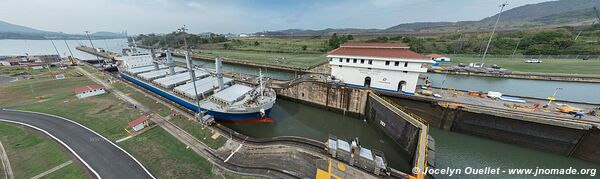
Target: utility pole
point(516, 47)
point(90, 39)
point(493, 31)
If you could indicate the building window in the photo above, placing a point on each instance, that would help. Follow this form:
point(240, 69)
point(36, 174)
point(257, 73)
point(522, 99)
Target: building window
point(405, 71)
point(354, 61)
point(387, 63)
point(362, 61)
point(340, 59)
point(347, 60)
point(330, 59)
point(370, 62)
point(405, 64)
point(340, 66)
point(396, 63)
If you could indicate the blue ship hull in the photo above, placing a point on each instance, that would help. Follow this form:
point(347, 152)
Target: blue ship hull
point(221, 116)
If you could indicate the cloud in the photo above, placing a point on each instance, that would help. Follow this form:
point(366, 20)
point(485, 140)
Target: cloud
point(146, 16)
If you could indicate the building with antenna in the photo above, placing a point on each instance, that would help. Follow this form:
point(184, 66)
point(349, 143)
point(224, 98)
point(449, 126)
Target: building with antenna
point(389, 67)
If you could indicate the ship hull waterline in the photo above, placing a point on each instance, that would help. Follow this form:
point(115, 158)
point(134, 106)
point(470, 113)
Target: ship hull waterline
point(219, 116)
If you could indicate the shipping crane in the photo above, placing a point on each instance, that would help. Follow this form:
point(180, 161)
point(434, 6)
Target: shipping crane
point(597, 13)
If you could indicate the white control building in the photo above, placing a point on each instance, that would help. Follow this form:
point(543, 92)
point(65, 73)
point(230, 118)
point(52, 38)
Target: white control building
point(391, 67)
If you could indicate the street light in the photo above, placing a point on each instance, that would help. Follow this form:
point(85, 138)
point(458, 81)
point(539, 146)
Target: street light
point(550, 99)
point(493, 31)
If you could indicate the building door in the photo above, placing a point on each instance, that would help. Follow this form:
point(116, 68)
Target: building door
point(368, 82)
point(401, 85)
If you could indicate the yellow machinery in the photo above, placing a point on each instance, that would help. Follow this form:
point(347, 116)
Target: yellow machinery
point(72, 61)
point(568, 109)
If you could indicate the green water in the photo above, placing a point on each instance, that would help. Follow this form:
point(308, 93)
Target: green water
point(293, 119)
point(453, 150)
point(459, 151)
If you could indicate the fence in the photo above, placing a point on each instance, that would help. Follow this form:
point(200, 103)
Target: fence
point(519, 56)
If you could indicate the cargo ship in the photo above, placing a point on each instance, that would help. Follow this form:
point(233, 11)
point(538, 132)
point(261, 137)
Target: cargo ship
point(202, 91)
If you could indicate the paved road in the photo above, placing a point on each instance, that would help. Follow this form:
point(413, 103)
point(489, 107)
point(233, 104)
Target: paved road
point(101, 157)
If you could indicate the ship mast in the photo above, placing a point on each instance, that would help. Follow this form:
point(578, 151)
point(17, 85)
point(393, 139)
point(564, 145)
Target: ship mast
point(260, 80)
point(191, 71)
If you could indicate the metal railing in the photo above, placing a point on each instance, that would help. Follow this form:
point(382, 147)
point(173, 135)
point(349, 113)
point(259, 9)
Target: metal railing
point(519, 56)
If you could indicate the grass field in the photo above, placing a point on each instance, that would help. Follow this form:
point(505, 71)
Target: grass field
point(158, 108)
point(275, 45)
point(26, 91)
point(30, 153)
point(166, 157)
point(562, 66)
point(196, 129)
point(286, 59)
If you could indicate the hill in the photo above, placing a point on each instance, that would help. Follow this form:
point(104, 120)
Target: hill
point(13, 31)
point(544, 9)
point(8, 27)
point(540, 15)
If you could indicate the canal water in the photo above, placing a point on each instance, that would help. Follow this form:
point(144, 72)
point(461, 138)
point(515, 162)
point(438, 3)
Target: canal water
point(453, 150)
point(293, 119)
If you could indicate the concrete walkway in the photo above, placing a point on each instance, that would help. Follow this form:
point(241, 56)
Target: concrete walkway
point(52, 170)
point(6, 163)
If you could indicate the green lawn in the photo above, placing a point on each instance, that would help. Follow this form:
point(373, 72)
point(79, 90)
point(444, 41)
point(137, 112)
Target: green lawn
point(166, 157)
point(30, 153)
point(104, 114)
point(155, 106)
point(277, 45)
point(26, 90)
point(196, 129)
point(286, 59)
point(69, 171)
point(562, 66)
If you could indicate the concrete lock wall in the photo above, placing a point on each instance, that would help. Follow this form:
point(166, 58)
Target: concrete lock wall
point(350, 101)
point(578, 143)
point(395, 126)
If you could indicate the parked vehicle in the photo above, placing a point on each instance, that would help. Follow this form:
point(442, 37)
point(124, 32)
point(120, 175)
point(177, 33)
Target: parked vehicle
point(533, 61)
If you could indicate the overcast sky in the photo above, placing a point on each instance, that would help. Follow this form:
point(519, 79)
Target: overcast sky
point(238, 16)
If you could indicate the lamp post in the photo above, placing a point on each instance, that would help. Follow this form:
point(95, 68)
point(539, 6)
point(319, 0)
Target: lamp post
point(493, 31)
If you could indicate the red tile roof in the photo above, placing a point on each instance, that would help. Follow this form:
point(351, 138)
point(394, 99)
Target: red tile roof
point(382, 50)
point(87, 88)
point(435, 56)
point(373, 45)
point(138, 121)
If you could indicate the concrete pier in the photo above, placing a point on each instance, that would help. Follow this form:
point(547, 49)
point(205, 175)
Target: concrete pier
point(564, 136)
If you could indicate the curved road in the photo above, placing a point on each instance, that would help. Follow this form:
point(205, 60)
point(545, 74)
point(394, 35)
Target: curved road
point(103, 158)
